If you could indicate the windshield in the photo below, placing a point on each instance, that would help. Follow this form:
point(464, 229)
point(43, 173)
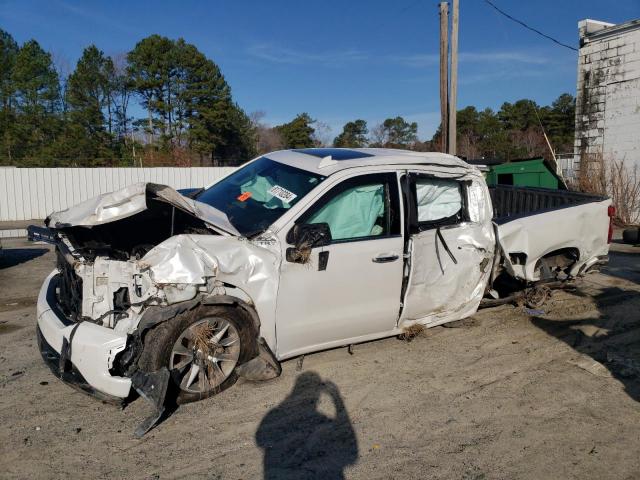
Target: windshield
point(259, 193)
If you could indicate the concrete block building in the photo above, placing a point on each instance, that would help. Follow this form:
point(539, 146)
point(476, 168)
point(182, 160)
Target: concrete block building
point(608, 92)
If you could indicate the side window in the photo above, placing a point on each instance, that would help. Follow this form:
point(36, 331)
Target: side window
point(363, 207)
point(439, 201)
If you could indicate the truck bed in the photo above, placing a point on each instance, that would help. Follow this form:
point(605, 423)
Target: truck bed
point(538, 223)
point(510, 202)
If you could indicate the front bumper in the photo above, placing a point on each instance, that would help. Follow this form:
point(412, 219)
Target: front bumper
point(91, 349)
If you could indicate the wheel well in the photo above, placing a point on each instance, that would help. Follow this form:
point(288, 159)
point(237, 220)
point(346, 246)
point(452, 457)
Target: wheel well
point(237, 302)
point(125, 362)
point(559, 260)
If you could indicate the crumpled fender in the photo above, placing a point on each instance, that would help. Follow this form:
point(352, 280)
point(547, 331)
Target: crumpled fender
point(192, 259)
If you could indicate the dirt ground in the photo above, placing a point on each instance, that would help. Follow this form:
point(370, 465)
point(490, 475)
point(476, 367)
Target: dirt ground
point(505, 394)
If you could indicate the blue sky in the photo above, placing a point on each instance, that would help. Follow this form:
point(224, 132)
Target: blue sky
point(337, 60)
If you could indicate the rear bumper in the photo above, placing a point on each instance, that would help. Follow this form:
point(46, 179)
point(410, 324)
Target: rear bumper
point(83, 362)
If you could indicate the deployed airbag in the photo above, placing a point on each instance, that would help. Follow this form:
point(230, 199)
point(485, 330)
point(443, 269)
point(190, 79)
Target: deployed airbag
point(437, 198)
point(353, 213)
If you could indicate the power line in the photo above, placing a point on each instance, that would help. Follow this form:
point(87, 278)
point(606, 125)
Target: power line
point(528, 27)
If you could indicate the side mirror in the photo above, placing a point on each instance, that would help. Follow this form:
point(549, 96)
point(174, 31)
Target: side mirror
point(306, 236)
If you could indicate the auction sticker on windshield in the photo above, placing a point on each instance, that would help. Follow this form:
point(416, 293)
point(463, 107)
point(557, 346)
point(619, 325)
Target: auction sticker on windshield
point(244, 196)
point(282, 193)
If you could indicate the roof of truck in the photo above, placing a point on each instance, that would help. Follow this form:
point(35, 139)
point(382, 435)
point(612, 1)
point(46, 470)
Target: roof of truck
point(325, 161)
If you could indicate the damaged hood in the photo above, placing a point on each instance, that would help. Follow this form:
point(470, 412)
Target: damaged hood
point(190, 259)
point(132, 200)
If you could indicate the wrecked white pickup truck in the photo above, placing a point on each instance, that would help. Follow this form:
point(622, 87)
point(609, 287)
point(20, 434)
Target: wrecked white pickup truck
point(295, 252)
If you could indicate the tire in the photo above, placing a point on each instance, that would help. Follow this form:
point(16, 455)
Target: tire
point(169, 343)
point(631, 235)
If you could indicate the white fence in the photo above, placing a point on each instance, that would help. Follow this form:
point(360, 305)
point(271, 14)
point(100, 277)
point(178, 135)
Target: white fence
point(33, 193)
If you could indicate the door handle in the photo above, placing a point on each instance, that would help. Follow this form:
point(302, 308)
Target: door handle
point(385, 258)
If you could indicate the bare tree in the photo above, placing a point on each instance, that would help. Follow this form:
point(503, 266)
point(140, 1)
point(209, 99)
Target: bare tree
point(613, 178)
point(322, 136)
point(268, 138)
point(378, 136)
point(63, 68)
point(468, 145)
point(121, 92)
point(531, 141)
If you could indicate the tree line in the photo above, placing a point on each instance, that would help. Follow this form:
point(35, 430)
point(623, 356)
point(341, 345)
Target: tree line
point(86, 117)
point(517, 130)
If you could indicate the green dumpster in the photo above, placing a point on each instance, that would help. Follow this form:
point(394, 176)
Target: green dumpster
point(534, 172)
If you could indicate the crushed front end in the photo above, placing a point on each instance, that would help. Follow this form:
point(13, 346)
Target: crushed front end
point(89, 308)
point(86, 311)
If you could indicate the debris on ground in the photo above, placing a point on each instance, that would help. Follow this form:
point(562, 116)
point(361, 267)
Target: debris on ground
point(464, 323)
point(411, 332)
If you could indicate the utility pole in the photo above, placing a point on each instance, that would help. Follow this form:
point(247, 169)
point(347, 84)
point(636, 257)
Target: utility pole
point(453, 92)
point(444, 74)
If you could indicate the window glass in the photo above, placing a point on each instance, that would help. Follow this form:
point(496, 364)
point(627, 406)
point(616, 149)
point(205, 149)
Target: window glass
point(256, 195)
point(354, 212)
point(437, 199)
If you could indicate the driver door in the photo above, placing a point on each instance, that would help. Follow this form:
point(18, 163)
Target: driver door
point(348, 290)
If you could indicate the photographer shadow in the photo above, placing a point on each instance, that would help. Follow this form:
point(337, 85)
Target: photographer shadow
point(299, 441)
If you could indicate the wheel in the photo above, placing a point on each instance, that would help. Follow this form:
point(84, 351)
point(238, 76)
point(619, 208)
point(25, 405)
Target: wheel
point(201, 348)
point(631, 235)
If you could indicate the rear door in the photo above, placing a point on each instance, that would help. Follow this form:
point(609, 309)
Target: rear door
point(451, 247)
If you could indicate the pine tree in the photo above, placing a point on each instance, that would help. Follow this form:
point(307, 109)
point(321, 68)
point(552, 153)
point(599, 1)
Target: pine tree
point(189, 102)
point(8, 53)
point(298, 133)
point(88, 97)
point(354, 135)
point(37, 104)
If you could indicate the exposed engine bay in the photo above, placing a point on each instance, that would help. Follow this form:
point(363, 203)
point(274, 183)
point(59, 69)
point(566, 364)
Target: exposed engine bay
point(101, 277)
point(132, 259)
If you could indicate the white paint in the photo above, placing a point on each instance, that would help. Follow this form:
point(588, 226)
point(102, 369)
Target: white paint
point(94, 346)
point(441, 290)
point(584, 227)
point(249, 266)
point(621, 122)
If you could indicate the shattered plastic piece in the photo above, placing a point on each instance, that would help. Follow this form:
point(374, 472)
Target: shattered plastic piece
point(153, 388)
point(533, 311)
point(263, 367)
